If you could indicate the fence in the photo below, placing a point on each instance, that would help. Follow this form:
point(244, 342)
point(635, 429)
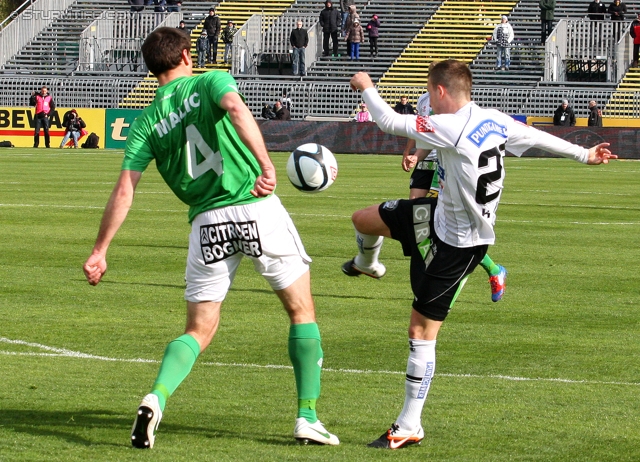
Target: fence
point(588, 50)
point(33, 19)
point(113, 41)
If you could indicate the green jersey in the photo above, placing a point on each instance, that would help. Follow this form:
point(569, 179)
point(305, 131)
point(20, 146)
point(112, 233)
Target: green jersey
point(195, 146)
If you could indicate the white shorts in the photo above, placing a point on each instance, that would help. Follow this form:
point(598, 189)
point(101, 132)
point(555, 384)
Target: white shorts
point(220, 238)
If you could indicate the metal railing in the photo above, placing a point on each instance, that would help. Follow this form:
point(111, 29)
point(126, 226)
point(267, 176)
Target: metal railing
point(113, 41)
point(591, 47)
point(33, 19)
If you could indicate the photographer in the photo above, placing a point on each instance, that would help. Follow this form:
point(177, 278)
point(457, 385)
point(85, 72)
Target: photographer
point(45, 106)
point(73, 125)
point(267, 112)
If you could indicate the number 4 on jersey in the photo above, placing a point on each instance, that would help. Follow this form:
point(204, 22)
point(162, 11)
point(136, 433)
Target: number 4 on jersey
point(212, 160)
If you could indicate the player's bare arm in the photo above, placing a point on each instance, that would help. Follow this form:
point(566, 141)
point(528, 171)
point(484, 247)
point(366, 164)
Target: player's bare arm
point(250, 134)
point(408, 160)
point(600, 154)
point(114, 215)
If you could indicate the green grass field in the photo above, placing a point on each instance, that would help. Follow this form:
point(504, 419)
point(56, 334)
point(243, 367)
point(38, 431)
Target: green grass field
point(550, 373)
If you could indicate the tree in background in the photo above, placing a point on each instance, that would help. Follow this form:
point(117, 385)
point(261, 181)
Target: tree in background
point(7, 7)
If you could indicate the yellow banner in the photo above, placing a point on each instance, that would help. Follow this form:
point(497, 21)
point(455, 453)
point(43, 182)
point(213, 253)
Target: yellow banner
point(17, 125)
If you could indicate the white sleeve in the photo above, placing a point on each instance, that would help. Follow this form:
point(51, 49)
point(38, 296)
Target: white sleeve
point(511, 35)
point(523, 137)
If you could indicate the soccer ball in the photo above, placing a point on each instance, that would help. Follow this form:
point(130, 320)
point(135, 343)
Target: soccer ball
point(312, 168)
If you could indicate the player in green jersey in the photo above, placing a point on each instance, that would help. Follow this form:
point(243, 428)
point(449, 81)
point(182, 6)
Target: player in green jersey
point(210, 152)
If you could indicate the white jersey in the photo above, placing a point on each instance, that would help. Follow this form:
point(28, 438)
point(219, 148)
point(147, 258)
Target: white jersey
point(424, 109)
point(471, 146)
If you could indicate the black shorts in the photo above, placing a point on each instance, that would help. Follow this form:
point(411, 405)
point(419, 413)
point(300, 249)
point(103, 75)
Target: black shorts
point(422, 175)
point(438, 271)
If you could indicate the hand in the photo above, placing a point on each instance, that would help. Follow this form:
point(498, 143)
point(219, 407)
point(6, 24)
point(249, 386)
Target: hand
point(408, 162)
point(266, 183)
point(361, 81)
point(94, 268)
point(599, 154)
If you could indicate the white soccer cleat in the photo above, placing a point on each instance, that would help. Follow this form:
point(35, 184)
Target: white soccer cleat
point(376, 271)
point(396, 438)
point(314, 433)
point(143, 433)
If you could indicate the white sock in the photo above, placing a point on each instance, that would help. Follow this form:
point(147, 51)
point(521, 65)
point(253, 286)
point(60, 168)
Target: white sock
point(368, 249)
point(421, 366)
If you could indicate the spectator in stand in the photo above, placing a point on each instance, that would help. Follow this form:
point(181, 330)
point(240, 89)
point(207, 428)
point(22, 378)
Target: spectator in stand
point(404, 106)
point(330, 21)
point(597, 10)
point(353, 15)
point(282, 113)
point(634, 31)
point(202, 47)
point(212, 26)
point(136, 5)
point(355, 36)
point(160, 8)
point(564, 115)
point(595, 115)
point(363, 115)
point(227, 37)
point(174, 6)
point(299, 40)
point(503, 36)
point(547, 11)
point(73, 125)
point(617, 10)
point(183, 28)
point(373, 29)
point(344, 12)
point(285, 100)
point(45, 106)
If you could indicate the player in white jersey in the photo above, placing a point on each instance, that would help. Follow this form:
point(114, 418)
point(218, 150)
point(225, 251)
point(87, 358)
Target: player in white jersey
point(424, 183)
point(446, 241)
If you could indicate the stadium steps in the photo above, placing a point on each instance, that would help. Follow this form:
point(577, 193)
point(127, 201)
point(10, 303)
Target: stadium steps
point(457, 30)
point(399, 23)
point(623, 102)
point(237, 11)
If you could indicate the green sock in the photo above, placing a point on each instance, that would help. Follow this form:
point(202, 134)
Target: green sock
point(179, 358)
point(489, 266)
point(306, 356)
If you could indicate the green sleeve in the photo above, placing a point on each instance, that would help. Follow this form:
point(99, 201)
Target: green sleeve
point(137, 153)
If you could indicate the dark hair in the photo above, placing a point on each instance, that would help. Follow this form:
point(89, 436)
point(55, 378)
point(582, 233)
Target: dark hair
point(162, 49)
point(453, 75)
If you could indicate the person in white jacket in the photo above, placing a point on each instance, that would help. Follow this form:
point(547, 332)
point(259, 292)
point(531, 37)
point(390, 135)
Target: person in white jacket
point(503, 36)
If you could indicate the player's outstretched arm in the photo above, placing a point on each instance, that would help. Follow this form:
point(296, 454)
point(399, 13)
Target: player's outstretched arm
point(250, 135)
point(600, 154)
point(114, 215)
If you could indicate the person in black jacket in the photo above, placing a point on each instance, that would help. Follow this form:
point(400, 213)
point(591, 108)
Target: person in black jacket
point(282, 113)
point(212, 26)
point(595, 115)
point(404, 107)
point(597, 10)
point(73, 125)
point(564, 115)
point(299, 40)
point(330, 21)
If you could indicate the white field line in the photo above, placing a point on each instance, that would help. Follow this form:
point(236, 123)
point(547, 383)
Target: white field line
point(63, 352)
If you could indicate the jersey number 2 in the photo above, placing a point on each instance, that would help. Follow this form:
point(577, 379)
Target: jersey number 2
point(212, 160)
point(486, 179)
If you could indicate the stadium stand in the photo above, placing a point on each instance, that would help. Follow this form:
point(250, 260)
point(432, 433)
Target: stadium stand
point(64, 44)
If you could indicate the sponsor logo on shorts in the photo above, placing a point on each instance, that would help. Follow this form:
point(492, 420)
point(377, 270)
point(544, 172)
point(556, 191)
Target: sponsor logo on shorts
point(484, 130)
point(222, 240)
point(423, 125)
point(390, 205)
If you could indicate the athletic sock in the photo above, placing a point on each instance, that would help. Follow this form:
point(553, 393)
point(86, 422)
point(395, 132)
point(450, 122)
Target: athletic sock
point(489, 266)
point(306, 356)
point(368, 249)
point(179, 357)
point(421, 366)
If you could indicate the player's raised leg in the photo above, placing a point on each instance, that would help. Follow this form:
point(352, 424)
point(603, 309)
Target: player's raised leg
point(305, 352)
point(370, 231)
point(497, 278)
